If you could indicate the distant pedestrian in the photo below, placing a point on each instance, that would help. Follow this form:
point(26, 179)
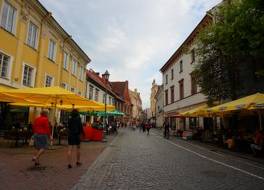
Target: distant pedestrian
point(74, 132)
point(166, 126)
point(141, 126)
point(148, 126)
point(144, 127)
point(41, 133)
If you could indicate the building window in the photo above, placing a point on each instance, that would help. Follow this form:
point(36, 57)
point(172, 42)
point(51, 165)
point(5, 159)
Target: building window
point(48, 81)
point(81, 73)
point(72, 89)
point(172, 93)
point(52, 50)
point(74, 66)
point(110, 100)
point(166, 97)
point(28, 76)
point(64, 85)
point(8, 17)
point(96, 94)
point(32, 35)
point(4, 66)
point(91, 92)
point(80, 93)
point(113, 101)
point(65, 60)
point(172, 74)
point(181, 87)
point(193, 84)
point(166, 79)
point(192, 55)
point(181, 66)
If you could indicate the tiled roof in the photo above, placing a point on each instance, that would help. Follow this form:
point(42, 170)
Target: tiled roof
point(92, 75)
point(121, 88)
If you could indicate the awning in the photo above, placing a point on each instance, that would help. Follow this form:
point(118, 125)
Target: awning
point(255, 101)
point(198, 111)
point(49, 96)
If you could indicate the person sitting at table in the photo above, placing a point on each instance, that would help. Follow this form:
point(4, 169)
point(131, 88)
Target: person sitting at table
point(258, 142)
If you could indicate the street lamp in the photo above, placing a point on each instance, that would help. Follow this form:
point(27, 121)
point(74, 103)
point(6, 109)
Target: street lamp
point(106, 77)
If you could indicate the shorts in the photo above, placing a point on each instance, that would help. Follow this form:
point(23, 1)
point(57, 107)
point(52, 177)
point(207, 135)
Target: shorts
point(41, 141)
point(74, 140)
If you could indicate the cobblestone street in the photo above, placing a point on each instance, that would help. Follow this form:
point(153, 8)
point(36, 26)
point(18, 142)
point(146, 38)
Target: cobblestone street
point(135, 160)
point(17, 171)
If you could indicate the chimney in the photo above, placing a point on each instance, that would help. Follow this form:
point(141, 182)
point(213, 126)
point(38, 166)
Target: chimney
point(106, 75)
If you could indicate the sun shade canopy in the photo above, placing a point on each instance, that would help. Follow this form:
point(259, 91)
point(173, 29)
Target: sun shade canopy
point(255, 101)
point(49, 96)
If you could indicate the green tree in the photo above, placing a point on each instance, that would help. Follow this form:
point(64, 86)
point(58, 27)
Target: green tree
point(231, 51)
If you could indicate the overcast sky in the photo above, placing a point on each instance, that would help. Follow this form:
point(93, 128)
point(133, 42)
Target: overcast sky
point(132, 39)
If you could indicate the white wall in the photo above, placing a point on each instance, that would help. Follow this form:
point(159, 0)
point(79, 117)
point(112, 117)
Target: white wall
point(160, 109)
point(188, 99)
point(100, 94)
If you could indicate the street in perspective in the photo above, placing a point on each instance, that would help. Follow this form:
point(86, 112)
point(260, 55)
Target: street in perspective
point(135, 160)
point(131, 95)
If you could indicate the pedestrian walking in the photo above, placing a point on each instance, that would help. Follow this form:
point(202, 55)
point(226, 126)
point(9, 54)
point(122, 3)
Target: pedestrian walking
point(41, 133)
point(141, 126)
point(148, 126)
point(166, 126)
point(74, 132)
point(144, 127)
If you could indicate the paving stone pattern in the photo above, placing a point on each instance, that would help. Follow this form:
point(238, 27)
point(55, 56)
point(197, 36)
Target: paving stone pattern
point(135, 160)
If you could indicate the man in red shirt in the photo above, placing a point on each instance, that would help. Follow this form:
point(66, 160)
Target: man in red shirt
point(41, 132)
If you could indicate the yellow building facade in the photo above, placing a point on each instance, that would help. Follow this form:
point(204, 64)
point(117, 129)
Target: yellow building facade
point(35, 51)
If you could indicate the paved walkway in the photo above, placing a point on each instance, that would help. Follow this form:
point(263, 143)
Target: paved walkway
point(135, 160)
point(17, 171)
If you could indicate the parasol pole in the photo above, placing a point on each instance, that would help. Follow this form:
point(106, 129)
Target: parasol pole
point(54, 121)
point(260, 119)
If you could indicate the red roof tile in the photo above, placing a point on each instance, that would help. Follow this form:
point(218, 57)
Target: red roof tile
point(121, 88)
point(103, 83)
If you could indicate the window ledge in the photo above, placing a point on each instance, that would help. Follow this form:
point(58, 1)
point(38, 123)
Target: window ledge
point(5, 78)
point(33, 48)
point(67, 70)
point(74, 75)
point(51, 60)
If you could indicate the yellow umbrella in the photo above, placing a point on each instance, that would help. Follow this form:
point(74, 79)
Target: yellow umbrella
point(5, 97)
point(198, 111)
point(31, 105)
point(67, 107)
point(252, 102)
point(51, 96)
point(255, 101)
